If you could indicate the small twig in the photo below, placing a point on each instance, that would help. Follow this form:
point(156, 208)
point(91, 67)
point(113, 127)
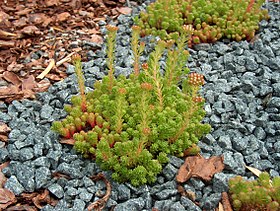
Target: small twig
point(100, 203)
point(52, 64)
point(47, 70)
point(8, 35)
point(66, 59)
point(226, 202)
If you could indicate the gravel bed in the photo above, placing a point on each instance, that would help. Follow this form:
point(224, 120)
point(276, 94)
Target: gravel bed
point(242, 93)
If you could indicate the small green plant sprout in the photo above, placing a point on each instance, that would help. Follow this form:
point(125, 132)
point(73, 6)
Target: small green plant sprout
point(211, 19)
point(131, 124)
point(261, 194)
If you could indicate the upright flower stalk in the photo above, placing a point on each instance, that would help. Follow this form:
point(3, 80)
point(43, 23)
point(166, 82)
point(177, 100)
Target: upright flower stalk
point(111, 41)
point(152, 71)
point(76, 59)
point(137, 48)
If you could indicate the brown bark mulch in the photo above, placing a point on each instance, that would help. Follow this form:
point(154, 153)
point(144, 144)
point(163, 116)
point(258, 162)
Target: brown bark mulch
point(37, 38)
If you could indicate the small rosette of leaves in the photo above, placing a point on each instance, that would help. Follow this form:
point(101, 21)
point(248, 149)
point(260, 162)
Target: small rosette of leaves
point(260, 194)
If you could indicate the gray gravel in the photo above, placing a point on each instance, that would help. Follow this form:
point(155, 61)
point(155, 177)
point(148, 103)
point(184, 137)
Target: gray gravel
point(242, 93)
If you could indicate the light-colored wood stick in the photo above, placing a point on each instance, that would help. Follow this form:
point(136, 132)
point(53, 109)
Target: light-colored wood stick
point(47, 70)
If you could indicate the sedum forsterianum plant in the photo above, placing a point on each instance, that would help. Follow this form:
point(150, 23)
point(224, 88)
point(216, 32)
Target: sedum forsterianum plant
point(211, 19)
point(259, 195)
point(130, 125)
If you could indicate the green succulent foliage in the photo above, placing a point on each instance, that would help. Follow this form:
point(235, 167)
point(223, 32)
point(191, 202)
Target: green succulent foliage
point(260, 194)
point(132, 127)
point(211, 19)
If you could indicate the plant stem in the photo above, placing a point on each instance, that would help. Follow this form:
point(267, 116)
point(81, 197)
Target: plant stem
point(111, 40)
point(76, 58)
point(136, 49)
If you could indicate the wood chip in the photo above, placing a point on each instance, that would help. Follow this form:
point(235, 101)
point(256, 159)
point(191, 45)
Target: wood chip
point(12, 77)
point(6, 198)
point(199, 167)
point(7, 44)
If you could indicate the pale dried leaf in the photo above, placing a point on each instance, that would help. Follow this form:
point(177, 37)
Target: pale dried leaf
point(255, 171)
point(47, 70)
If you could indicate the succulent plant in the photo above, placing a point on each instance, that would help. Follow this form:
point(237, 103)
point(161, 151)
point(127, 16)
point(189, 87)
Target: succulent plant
point(132, 124)
point(211, 19)
point(260, 195)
